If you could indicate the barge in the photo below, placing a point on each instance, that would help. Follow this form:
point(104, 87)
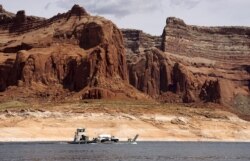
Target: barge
point(81, 138)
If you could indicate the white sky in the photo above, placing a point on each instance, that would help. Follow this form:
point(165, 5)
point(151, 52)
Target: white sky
point(147, 15)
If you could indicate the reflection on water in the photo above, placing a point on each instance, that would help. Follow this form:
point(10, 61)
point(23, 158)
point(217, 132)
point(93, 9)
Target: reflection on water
point(143, 151)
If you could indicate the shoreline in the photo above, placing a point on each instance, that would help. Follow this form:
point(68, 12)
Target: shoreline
point(152, 124)
point(166, 141)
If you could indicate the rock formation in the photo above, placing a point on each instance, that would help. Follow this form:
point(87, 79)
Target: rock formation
point(5, 16)
point(152, 71)
point(74, 51)
point(81, 56)
point(223, 44)
point(20, 17)
point(146, 65)
point(210, 91)
point(194, 64)
point(77, 11)
point(218, 57)
point(137, 41)
point(18, 22)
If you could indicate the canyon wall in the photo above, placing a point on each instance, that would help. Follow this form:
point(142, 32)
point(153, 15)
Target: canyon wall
point(224, 44)
point(192, 64)
point(76, 54)
point(147, 66)
point(72, 51)
point(220, 54)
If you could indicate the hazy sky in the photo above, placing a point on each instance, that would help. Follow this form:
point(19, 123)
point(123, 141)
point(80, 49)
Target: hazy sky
point(147, 15)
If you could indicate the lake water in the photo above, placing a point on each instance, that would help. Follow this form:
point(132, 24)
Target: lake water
point(143, 151)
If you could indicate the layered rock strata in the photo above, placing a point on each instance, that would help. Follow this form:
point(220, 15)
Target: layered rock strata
point(195, 64)
point(223, 44)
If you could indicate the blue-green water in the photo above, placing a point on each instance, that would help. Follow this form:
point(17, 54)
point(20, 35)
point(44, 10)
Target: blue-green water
point(143, 151)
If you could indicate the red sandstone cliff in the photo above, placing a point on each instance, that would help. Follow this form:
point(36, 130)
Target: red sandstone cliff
point(217, 56)
point(72, 51)
point(193, 65)
point(78, 55)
